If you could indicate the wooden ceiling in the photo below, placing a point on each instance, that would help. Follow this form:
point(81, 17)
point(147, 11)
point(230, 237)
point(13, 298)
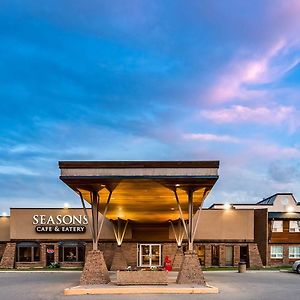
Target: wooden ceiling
point(145, 201)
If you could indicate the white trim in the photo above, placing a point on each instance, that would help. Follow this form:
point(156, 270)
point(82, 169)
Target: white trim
point(140, 255)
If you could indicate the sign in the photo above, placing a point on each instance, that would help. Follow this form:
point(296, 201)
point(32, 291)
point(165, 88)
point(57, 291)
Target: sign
point(50, 251)
point(60, 229)
point(60, 223)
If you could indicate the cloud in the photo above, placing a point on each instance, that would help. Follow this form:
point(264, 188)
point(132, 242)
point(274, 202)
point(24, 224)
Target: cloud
point(242, 77)
point(210, 137)
point(275, 115)
point(17, 170)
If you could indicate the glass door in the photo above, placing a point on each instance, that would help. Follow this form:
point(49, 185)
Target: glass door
point(150, 255)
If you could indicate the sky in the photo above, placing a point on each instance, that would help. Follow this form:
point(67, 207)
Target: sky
point(149, 80)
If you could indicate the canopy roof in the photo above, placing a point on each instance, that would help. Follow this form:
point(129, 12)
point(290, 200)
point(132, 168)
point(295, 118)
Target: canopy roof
point(142, 191)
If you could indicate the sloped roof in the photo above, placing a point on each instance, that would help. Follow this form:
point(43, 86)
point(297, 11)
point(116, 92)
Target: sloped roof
point(270, 200)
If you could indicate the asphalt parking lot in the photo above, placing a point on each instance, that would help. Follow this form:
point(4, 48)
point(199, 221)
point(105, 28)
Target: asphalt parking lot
point(251, 285)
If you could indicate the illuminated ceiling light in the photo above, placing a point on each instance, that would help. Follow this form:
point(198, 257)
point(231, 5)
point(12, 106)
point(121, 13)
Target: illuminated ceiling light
point(227, 206)
point(172, 208)
point(4, 214)
point(290, 209)
point(66, 205)
point(177, 185)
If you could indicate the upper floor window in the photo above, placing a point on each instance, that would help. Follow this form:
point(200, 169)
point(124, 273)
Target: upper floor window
point(294, 226)
point(276, 251)
point(277, 226)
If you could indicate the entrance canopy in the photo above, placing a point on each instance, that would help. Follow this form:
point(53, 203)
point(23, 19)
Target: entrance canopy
point(141, 191)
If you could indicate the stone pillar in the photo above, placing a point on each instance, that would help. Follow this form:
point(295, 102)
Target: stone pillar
point(222, 262)
point(56, 252)
point(207, 254)
point(178, 259)
point(118, 261)
point(254, 256)
point(95, 270)
point(8, 258)
point(43, 254)
point(236, 255)
point(190, 272)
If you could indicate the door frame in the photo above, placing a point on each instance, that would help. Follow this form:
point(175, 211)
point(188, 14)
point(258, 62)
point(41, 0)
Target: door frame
point(140, 246)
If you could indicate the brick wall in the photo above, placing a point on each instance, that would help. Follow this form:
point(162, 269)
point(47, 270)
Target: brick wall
point(8, 258)
point(28, 265)
point(255, 260)
point(236, 255)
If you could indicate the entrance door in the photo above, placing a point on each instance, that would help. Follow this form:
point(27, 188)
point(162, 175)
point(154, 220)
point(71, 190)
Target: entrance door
point(214, 255)
point(150, 255)
point(229, 255)
point(244, 254)
point(49, 254)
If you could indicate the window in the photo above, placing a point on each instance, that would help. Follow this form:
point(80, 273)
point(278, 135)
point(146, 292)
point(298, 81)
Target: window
point(277, 226)
point(69, 252)
point(294, 226)
point(28, 252)
point(294, 252)
point(276, 251)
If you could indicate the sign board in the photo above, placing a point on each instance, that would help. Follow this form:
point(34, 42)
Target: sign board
point(60, 223)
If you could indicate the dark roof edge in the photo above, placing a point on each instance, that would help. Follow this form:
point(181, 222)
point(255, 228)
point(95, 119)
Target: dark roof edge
point(138, 164)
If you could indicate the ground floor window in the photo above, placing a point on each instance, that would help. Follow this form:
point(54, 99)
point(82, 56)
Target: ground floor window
point(276, 251)
point(294, 252)
point(71, 252)
point(229, 255)
point(28, 252)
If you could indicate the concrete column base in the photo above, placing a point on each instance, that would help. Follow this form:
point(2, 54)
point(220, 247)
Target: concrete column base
point(178, 259)
point(119, 261)
point(95, 270)
point(190, 272)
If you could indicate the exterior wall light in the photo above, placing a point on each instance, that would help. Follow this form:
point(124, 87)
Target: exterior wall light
point(227, 206)
point(290, 209)
point(4, 214)
point(66, 205)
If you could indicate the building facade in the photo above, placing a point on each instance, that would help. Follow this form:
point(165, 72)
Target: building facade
point(263, 234)
point(283, 230)
point(35, 238)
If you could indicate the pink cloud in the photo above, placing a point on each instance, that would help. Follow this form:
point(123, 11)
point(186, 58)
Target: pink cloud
point(275, 115)
point(210, 137)
point(236, 80)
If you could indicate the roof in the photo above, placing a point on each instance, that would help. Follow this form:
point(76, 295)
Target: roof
point(141, 190)
point(270, 200)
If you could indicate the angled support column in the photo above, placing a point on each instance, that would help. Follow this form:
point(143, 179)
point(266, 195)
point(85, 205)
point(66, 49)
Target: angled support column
point(179, 233)
point(119, 232)
point(190, 271)
point(119, 262)
point(95, 269)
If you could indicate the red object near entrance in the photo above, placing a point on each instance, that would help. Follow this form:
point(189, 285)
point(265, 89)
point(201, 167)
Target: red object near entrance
point(168, 266)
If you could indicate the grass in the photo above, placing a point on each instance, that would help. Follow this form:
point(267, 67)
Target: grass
point(259, 269)
point(43, 269)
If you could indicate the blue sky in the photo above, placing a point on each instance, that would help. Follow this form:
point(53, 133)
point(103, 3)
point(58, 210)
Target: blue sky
point(149, 80)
